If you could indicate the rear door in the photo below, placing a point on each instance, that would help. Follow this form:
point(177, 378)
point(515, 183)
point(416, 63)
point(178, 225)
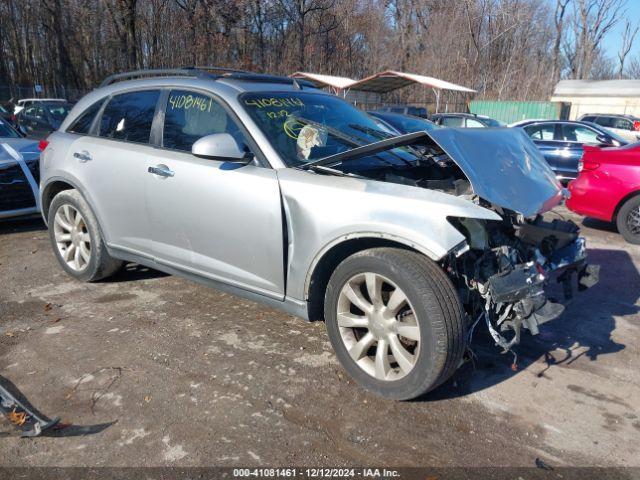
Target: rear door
point(112, 164)
point(214, 218)
point(544, 136)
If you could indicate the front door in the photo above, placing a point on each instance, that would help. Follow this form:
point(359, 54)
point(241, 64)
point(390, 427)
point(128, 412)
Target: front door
point(213, 218)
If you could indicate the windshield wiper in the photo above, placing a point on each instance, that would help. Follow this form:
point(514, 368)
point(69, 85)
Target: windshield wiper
point(371, 131)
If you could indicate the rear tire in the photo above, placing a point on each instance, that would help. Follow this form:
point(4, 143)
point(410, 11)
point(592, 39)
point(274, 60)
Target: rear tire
point(77, 240)
point(628, 220)
point(403, 302)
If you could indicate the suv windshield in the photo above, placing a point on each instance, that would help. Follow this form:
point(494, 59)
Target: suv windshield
point(303, 127)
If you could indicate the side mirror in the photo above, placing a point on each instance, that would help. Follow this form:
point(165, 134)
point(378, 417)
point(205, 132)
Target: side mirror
point(603, 139)
point(220, 146)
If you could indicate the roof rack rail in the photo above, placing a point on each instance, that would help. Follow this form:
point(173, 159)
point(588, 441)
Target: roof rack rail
point(204, 72)
point(154, 72)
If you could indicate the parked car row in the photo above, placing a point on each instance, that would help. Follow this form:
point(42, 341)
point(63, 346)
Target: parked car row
point(19, 173)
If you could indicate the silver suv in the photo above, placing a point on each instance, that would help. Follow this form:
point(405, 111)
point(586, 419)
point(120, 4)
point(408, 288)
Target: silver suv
point(268, 188)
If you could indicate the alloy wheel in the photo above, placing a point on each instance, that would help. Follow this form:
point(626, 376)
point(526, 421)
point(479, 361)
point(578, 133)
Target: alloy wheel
point(72, 237)
point(378, 326)
point(633, 221)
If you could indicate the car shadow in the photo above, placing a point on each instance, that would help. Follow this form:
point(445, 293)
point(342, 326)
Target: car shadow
point(57, 430)
point(23, 224)
point(132, 272)
point(583, 330)
point(596, 224)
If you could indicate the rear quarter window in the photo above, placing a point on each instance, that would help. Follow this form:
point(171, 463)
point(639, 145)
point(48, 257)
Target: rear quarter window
point(82, 124)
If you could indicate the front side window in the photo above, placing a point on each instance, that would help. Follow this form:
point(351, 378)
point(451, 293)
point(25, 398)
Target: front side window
point(471, 123)
point(129, 116)
point(303, 127)
point(574, 133)
point(190, 116)
point(84, 121)
point(540, 132)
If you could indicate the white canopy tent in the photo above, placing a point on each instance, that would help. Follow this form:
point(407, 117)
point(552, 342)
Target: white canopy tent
point(337, 84)
point(390, 80)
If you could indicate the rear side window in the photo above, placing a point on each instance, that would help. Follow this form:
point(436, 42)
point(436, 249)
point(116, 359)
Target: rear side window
point(190, 116)
point(452, 121)
point(82, 125)
point(623, 124)
point(35, 111)
point(605, 121)
point(588, 119)
point(129, 116)
point(540, 132)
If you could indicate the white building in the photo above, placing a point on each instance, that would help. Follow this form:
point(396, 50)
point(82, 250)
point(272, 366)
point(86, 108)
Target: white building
point(599, 96)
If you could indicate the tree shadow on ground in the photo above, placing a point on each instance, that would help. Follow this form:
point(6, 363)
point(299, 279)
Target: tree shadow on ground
point(585, 327)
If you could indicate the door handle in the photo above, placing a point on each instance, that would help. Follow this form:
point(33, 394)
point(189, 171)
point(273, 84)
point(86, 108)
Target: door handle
point(83, 156)
point(161, 171)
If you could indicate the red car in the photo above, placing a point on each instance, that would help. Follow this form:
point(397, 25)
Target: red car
point(608, 188)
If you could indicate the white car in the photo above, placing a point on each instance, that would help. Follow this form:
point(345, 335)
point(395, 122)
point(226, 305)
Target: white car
point(626, 126)
point(24, 102)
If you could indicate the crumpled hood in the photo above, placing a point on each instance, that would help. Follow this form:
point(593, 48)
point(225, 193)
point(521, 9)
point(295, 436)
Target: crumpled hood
point(504, 167)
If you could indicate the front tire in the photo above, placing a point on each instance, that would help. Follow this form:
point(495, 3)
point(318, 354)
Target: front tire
point(395, 322)
point(628, 220)
point(76, 238)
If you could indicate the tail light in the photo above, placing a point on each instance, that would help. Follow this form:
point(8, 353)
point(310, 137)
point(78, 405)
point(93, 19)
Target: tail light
point(636, 125)
point(587, 166)
point(42, 145)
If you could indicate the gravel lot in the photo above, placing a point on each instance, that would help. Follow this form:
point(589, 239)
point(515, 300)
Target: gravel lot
point(162, 371)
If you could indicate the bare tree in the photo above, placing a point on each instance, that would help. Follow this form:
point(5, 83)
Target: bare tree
point(558, 20)
point(628, 36)
point(592, 20)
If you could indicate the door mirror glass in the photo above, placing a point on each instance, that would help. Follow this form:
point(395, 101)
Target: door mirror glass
point(604, 139)
point(220, 146)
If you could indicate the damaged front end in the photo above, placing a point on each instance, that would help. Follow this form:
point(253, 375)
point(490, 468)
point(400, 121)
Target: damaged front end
point(505, 267)
point(503, 271)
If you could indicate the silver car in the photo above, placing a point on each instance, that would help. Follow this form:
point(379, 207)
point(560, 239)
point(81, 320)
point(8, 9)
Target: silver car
point(270, 189)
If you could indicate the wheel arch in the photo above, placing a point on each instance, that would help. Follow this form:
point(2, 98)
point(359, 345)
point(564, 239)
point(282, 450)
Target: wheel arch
point(49, 192)
point(624, 200)
point(335, 252)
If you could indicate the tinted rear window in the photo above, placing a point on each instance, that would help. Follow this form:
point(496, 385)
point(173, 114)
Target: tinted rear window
point(129, 116)
point(84, 121)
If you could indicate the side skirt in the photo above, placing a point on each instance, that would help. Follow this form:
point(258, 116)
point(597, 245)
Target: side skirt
point(290, 305)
